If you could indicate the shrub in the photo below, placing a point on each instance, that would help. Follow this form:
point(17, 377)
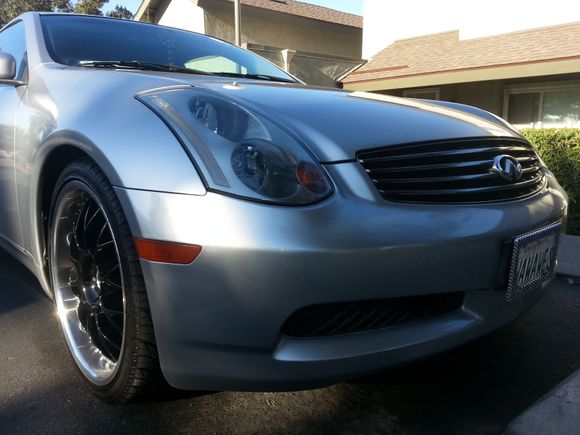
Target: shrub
point(560, 149)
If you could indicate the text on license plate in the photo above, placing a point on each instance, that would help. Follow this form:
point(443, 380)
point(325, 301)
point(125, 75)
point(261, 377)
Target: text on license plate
point(535, 260)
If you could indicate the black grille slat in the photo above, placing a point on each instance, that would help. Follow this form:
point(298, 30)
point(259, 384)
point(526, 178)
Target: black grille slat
point(440, 179)
point(457, 171)
point(487, 189)
point(434, 167)
point(459, 183)
point(442, 146)
point(453, 153)
point(361, 316)
point(447, 178)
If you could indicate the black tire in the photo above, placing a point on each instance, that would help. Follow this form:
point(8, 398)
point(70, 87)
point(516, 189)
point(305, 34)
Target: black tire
point(137, 371)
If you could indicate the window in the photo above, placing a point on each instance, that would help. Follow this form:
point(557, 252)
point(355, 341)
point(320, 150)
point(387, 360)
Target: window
point(422, 94)
point(13, 41)
point(551, 105)
point(78, 40)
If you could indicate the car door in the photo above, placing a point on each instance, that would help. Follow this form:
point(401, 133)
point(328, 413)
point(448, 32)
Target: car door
point(12, 41)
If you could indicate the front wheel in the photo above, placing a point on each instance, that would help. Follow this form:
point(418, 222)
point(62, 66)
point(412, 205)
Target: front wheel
point(98, 286)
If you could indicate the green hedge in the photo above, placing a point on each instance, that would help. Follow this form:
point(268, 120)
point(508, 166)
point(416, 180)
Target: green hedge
point(560, 149)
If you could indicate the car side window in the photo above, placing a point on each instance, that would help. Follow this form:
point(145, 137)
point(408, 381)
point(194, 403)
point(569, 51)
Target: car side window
point(13, 41)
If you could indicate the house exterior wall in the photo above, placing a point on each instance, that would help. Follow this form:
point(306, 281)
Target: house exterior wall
point(316, 51)
point(386, 22)
point(280, 30)
point(494, 95)
point(184, 14)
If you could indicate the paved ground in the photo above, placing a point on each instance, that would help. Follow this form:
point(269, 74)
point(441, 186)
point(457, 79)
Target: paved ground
point(556, 413)
point(569, 257)
point(477, 389)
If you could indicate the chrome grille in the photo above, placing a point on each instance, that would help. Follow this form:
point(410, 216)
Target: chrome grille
point(452, 171)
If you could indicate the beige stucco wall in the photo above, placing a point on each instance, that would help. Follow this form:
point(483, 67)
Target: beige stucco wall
point(283, 31)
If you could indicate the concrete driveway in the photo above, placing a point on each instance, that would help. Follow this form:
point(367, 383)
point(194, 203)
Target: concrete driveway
point(477, 389)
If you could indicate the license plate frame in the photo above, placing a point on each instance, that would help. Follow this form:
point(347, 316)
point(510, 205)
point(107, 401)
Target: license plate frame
point(529, 252)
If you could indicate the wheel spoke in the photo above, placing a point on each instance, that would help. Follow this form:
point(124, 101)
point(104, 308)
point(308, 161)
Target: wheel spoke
point(109, 346)
point(109, 312)
point(75, 288)
point(93, 331)
point(84, 315)
point(111, 284)
point(102, 230)
point(90, 221)
point(107, 274)
point(100, 246)
point(111, 321)
point(86, 215)
point(74, 248)
point(81, 216)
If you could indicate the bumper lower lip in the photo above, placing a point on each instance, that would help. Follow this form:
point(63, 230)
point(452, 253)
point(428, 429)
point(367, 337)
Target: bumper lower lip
point(297, 364)
point(218, 320)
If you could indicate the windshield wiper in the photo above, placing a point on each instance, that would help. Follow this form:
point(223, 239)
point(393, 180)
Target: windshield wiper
point(255, 77)
point(152, 66)
point(139, 65)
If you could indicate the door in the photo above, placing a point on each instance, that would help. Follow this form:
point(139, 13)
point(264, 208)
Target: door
point(12, 41)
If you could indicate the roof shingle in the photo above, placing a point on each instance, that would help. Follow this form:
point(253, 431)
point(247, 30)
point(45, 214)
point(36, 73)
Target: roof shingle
point(443, 52)
point(307, 10)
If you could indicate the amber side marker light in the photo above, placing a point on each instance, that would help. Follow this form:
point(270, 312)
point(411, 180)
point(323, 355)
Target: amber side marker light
point(166, 252)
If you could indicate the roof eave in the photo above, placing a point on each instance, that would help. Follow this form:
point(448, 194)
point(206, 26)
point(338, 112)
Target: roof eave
point(142, 8)
point(498, 72)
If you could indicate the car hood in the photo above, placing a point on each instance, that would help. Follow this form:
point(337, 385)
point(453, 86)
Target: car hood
point(335, 124)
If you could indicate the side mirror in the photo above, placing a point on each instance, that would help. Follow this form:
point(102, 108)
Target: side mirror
point(7, 67)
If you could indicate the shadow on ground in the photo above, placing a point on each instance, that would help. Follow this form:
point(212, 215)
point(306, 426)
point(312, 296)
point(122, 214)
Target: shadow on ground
point(18, 287)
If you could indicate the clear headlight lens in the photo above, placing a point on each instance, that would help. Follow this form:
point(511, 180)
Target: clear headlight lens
point(238, 152)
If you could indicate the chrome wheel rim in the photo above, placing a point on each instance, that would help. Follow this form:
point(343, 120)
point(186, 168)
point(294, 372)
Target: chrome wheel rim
point(88, 283)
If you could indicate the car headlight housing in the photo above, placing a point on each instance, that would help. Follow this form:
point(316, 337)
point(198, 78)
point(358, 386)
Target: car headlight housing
point(238, 152)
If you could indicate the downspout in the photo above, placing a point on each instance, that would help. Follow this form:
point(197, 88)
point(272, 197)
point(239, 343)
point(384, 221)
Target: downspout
point(287, 56)
point(238, 23)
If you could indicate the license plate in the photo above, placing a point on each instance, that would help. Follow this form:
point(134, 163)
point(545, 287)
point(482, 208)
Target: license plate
point(533, 261)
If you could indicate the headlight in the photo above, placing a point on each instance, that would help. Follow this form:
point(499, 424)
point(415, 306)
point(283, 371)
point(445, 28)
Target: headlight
point(238, 152)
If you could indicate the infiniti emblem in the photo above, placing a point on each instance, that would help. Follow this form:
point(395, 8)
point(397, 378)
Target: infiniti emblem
point(507, 167)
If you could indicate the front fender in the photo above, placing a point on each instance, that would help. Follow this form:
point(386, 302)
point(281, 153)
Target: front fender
point(130, 143)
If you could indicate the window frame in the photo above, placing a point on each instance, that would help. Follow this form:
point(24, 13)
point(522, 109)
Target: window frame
point(407, 92)
point(537, 87)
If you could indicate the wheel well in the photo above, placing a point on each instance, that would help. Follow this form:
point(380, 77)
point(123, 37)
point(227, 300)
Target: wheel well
point(55, 163)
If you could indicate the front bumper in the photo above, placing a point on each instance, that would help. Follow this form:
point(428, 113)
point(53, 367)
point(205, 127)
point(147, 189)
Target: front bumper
point(218, 321)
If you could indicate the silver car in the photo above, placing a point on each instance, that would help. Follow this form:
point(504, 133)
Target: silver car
point(202, 218)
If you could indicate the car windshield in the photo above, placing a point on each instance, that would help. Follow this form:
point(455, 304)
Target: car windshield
point(101, 42)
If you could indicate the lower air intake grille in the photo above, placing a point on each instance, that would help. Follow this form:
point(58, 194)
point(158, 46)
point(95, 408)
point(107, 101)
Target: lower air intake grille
point(349, 317)
point(452, 171)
